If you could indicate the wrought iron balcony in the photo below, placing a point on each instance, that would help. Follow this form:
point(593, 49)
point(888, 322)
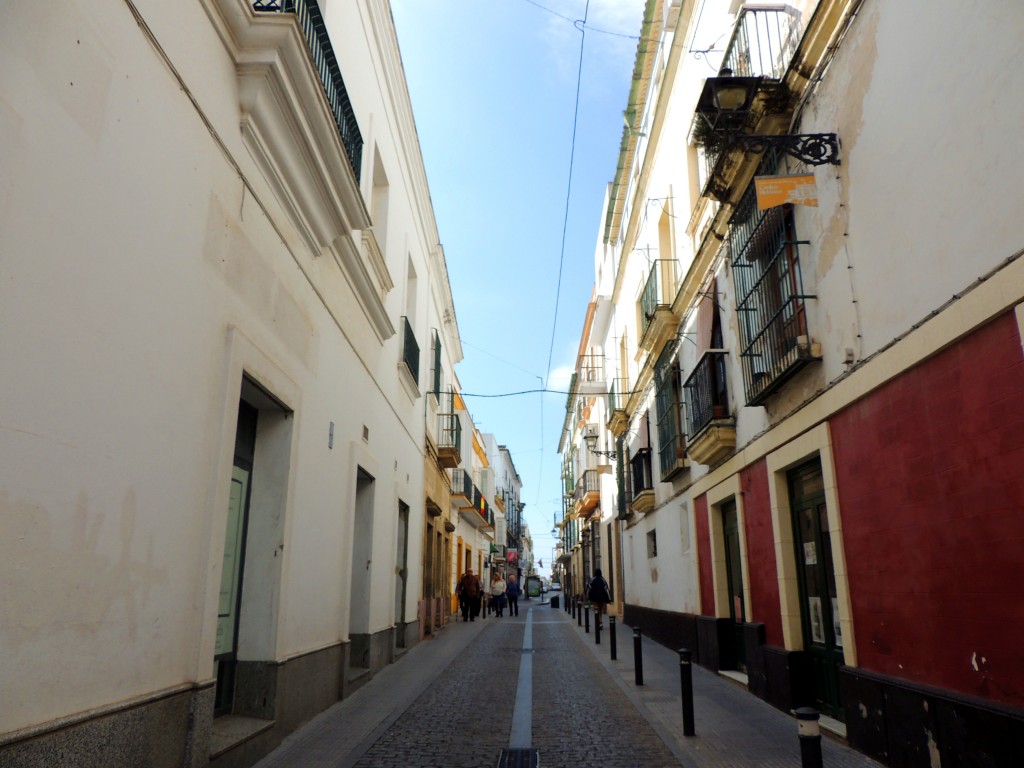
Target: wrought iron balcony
point(449, 440)
point(618, 396)
point(712, 430)
point(762, 43)
point(641, 481)
point(485, 516)
point(462, 489)
point(656, 319)
point(326, 64)
point(590, 373)
point(587, 493)
point(410, 350)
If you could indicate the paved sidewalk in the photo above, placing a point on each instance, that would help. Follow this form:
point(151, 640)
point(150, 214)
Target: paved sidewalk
point(448, 703)
point(733, 728)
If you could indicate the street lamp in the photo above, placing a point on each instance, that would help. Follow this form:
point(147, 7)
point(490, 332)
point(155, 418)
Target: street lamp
point(725, 105)
point(591, 441)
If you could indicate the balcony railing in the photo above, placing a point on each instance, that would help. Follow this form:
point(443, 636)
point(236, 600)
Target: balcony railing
point(449, 439)
point(482, 507)
point(657, 291)
point(326, 64)
point(762, 43)
point(410, 350)
point(462, 489)
point(591, 368)
point(587, 484)
point(707, 396)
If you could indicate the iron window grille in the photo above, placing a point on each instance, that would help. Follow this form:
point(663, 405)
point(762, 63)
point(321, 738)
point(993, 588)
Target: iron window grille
point(667, 399)
point(641, 477)
point(765, 258)
point(410, 350)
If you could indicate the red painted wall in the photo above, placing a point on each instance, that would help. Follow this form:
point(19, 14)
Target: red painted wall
point(764, 578)
point(707, 594)
point(930, 474)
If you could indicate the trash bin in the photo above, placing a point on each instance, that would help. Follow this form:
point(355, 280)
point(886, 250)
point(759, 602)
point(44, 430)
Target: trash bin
point(554, 601)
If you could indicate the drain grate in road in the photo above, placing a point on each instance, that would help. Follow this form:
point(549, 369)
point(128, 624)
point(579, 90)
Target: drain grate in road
point(519, 758)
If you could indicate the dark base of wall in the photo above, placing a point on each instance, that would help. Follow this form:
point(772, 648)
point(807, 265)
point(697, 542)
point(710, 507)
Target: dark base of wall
point(902, 725)
point(173, 730)
point(782, 678)
point(154, 733)
point(673, 630)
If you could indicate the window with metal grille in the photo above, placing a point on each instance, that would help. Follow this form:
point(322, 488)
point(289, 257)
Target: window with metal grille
point(772, 319)
point(667, 399)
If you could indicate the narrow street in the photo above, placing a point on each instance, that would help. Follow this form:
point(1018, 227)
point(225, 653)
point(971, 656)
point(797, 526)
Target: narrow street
point(458, 701)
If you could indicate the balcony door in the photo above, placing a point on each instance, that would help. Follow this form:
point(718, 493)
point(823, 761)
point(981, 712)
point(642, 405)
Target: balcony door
point(819, 607)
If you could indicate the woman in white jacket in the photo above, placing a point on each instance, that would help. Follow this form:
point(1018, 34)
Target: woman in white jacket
point(497, 591)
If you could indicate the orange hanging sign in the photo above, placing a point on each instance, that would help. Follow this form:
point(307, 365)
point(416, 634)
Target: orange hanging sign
point(773, 191)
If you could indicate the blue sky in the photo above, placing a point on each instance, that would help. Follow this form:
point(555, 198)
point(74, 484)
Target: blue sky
point(494, 87)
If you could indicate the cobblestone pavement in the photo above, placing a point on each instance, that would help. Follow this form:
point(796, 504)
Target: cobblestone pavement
point(449, 703)
point(580, 716)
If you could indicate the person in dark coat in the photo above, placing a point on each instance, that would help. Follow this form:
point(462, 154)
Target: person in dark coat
point(600, 594)
point(469, 590)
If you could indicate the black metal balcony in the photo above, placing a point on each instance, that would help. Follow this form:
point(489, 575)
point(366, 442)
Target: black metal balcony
point(326, 64)
point(762, 44)
point(449, 439)
point(462, 489)
point(707, 396)
point(410, 350)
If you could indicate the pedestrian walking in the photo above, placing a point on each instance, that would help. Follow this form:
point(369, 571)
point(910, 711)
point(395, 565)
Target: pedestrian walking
point(498, 587)
point(600, 594)
point(469, 590)
point(513, 595)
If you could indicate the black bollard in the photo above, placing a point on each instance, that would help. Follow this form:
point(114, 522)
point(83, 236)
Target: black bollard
point(597, 628)
point(573, 600)
point(686, 687)
point(611, 636)
point(809, 731)
point(586, 618)
point(638, 657)
point(579, 615)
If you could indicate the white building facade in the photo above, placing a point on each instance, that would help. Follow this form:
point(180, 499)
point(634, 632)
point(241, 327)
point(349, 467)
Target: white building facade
point(225, 316)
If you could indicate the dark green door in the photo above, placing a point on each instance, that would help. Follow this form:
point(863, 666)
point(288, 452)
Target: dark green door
point(734, 572)
point(819, 607)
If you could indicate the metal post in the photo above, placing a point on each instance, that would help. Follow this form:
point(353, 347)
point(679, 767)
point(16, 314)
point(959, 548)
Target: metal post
point(573, 599)
point(638, 657)
point(686, 687)
point(611, 637)
point(597, 628)
point(579, 615)
point(809, 731)
point(586, 618)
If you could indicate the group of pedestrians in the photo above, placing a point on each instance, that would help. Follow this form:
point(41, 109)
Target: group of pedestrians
point(501, 594)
